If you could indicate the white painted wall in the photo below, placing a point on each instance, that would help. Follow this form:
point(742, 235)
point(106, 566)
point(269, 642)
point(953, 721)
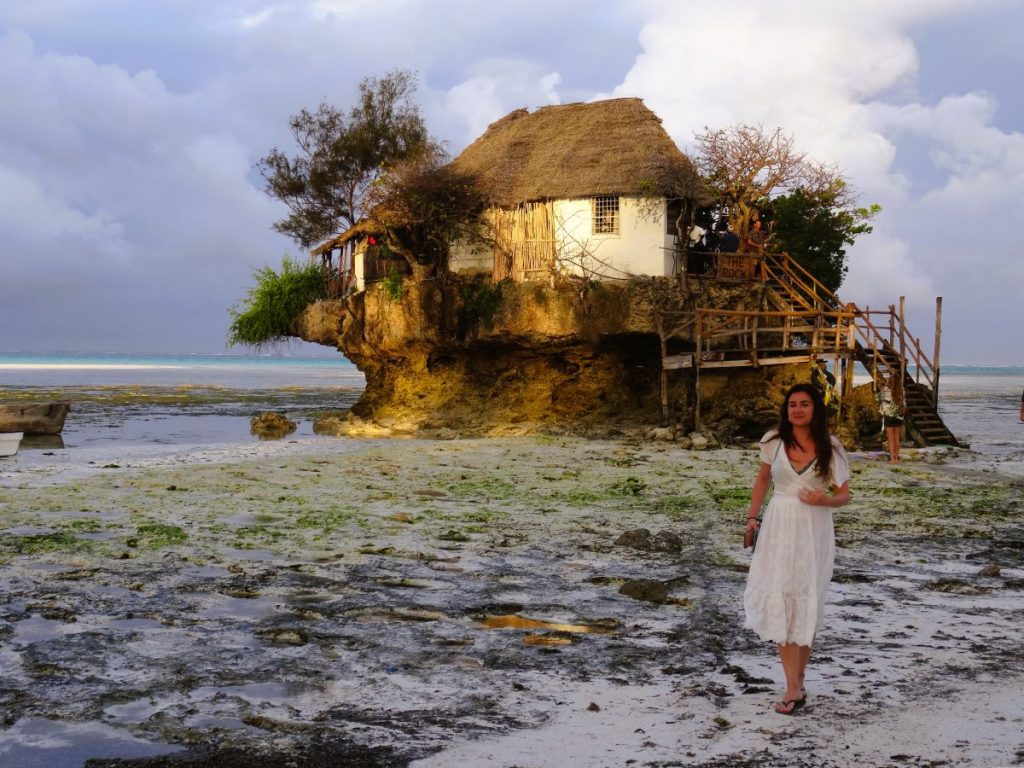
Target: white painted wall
point(360, 267)
point(464, 258)
point(640, 248)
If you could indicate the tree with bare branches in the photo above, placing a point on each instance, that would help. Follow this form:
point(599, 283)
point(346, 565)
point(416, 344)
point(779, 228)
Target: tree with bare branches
point(744, 165)
point(422, 208)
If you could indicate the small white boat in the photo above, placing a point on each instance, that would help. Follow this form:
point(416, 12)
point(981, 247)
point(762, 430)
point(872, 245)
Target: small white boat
point(9, 442)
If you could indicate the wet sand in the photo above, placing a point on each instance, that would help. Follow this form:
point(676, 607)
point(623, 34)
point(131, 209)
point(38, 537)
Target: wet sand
point(467, 602)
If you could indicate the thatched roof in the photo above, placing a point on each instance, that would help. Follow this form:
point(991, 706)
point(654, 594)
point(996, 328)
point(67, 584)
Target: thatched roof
point(613, 147)
point(361, 227)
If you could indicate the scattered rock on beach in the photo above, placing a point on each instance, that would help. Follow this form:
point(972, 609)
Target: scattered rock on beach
point(956, 587)
point(271, 425)
point(989, 571)
point(641, 538)
point(286, 636)
point(646, 590)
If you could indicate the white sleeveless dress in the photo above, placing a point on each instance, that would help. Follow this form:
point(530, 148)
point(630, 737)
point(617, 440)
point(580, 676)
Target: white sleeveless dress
point(792, 563)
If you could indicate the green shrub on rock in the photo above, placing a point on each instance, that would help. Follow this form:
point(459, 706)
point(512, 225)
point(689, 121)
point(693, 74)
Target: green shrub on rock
point(270, 308)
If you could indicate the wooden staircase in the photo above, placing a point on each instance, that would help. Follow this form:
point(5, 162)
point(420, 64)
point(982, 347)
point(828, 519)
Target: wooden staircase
point(924, 425)
point(798, 290)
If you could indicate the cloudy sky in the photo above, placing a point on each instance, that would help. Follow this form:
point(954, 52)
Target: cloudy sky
point(131, 217)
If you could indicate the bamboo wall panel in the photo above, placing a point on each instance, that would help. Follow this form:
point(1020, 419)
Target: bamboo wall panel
point(524, 242)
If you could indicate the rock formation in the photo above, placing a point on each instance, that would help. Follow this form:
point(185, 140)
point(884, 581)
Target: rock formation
point(476, 358)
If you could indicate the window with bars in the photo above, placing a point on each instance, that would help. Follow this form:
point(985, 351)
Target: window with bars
point(606, 214)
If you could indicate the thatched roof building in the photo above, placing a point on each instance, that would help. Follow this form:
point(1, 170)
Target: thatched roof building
point(565, 151)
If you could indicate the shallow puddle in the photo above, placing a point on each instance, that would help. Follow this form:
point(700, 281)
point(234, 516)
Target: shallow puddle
point(55, 744)
point(96, 536)
point(406, 583)
point(515, 621)
point(259, 518)
point(547, 640)
point(28, 530)
point(394, 614)
point(256, 555)
point(238, 608)
point(36, 629)
point(134, 624)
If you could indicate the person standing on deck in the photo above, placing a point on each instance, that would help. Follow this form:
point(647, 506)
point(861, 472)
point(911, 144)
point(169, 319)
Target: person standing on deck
point(728, 241)
point(755, 238)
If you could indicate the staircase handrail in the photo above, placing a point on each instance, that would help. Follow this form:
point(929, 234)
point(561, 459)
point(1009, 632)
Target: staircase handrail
point(840, 321)
point(923, 365)
point(812, 286)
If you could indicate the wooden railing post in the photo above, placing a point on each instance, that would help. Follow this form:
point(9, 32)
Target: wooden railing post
point(903, 342)
point(935, 360)
point(664, 373)
point(851, 343)
point(753, 341)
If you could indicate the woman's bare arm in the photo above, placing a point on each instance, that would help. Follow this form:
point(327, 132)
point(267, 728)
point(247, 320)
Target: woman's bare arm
point(761, 485)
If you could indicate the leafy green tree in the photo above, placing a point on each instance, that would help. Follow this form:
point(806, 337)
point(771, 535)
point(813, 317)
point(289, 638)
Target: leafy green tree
point(269, 310)
point(814, 228)
point(341, 156)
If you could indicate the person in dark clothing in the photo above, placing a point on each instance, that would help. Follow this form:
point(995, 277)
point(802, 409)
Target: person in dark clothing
point(728, 241)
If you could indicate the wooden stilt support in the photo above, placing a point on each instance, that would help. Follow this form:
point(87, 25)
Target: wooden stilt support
point(903, 340)
point(664, 379)
point(935, 360)
point(696, 373)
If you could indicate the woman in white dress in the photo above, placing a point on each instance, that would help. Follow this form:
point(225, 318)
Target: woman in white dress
point(792, 563)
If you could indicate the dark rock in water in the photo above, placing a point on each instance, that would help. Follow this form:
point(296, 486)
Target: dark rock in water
point(989, 571)
point(270, 424)
point(647, 590)
point(641, 538)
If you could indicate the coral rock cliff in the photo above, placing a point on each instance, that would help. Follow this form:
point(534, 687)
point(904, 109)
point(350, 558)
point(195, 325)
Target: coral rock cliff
point(474, 358)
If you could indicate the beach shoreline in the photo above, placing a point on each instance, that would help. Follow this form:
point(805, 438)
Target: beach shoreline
point(276, 598)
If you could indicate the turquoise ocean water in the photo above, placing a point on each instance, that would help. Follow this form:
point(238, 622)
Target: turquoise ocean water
point(209, 398)
point(176, 399)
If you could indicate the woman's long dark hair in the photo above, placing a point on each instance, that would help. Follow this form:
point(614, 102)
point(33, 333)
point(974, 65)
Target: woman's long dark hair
point(896, 389)
point(819, 428)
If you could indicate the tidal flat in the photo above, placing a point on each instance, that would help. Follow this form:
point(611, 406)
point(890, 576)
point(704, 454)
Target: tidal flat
point(491, 601)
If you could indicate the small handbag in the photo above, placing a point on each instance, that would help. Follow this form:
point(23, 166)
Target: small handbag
point(750, 537)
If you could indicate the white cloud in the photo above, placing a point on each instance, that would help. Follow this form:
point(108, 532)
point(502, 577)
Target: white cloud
point(41, 229)
point(138, 150)
point(113, 188)
point(838, 76)
point(496, 87)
